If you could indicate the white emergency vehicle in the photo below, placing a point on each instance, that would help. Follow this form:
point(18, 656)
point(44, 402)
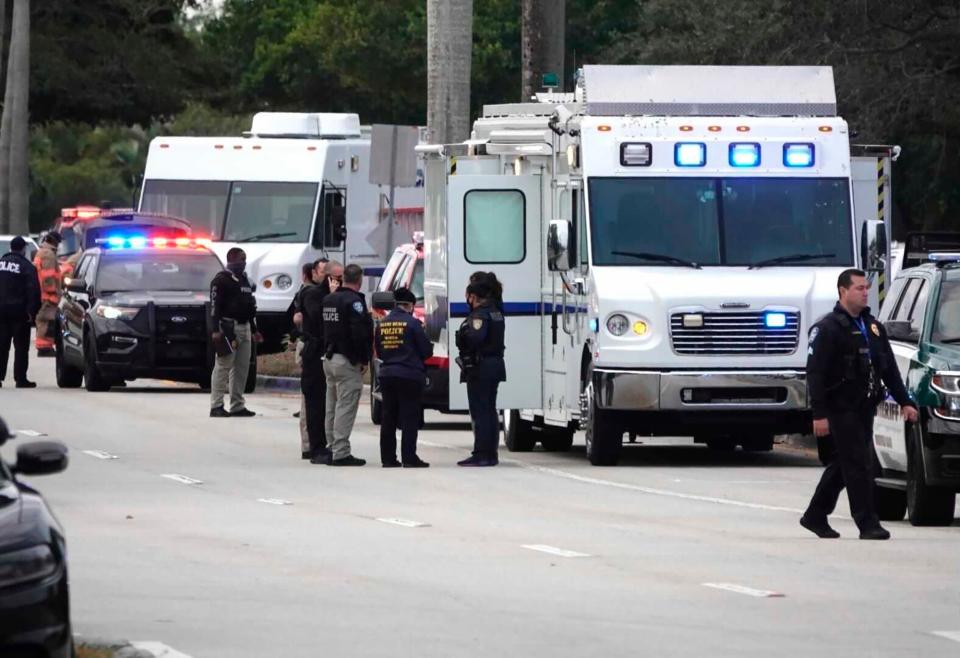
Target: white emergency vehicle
point(295, 188)
point(666, 236)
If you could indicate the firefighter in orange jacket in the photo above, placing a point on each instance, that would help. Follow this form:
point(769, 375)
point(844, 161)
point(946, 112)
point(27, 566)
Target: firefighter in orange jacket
point(48, 270)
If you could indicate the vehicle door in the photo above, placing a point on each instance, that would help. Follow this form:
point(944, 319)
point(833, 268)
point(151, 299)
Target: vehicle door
point(494, 225)
point(75, 304)
point(907, 302)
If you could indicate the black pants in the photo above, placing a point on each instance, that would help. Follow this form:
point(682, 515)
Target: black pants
point(17, 331)
point(401, 405)
point(850, 465)
point(313, 384)
point(482, 399)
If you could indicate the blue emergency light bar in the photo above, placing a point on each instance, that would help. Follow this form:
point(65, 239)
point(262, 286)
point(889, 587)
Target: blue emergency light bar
point(943, 257)
point(745, 155)
point(120, 241)
point(690, 154)
point(798, 155)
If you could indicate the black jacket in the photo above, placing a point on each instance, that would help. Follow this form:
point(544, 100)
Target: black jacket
point(480, 340)
point(347, 326)
point(402, 346)
point(232, 297)
point(840, 360)
point(19, 288)
point(311, 305)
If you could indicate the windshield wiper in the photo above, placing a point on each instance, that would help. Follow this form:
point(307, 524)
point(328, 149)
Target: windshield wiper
point(947, 341)
point(673, 260)
point(792, 258)
point(267, 236)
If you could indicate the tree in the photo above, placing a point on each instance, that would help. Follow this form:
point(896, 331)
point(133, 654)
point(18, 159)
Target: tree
point(14, 128)
point(544, 22)
point(449, 44)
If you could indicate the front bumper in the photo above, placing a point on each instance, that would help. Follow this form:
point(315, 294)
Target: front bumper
point(35, 618)
point(700, 391)
point(941, 456)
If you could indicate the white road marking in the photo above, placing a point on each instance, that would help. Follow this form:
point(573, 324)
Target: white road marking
point(553, 550)
point(406, 523)
point(274, 501)
point(158, 649)
point(100, 454)
point(181, 478)
point(749, 591)
point(31, 433)
point(950, 635)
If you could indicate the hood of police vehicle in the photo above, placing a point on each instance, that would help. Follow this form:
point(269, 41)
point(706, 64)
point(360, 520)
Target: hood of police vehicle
point(652, 294)
point(158, 297)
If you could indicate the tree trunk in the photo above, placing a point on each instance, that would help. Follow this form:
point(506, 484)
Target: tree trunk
point(18, 78)
point(3, 41)
point(4, 126)
point(449, 50)
point(542, 43)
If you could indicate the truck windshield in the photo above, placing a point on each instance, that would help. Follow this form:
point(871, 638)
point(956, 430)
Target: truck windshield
point(128, 272)
point(236, 211)
point(721, 221)
point(946, 325)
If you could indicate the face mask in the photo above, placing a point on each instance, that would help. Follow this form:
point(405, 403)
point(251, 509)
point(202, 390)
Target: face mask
point(237, 268)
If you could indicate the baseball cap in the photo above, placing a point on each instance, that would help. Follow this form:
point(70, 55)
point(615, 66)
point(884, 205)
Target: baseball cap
point(404, 296)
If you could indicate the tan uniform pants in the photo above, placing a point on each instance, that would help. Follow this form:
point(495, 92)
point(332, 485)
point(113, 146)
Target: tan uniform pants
point(230, 372)
point(304, 437)
point(344, 386)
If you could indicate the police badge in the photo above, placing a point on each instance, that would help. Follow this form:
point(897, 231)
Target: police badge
point(477, 324)
point(875, 329)
point(358, 307)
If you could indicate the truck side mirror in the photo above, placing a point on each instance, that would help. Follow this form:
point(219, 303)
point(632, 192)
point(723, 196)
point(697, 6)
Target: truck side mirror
point(873, 246)
point(559, 256)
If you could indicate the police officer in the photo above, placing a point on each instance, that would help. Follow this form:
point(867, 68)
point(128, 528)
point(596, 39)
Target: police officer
point(402, 346)
point(313, 381)
point(234, 314)
point(19, 303)
point(848, 361)
point(348, 333)
point(296, 346)
point(51, 282)
point(480, 342)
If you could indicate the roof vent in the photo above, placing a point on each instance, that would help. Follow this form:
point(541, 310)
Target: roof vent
point(305, 125)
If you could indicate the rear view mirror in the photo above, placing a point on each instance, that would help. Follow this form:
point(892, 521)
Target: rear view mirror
point(76, 285)
point(873, 247)
point(41, 458)
point(383, 301)
point(901, 330)
point(559, 254)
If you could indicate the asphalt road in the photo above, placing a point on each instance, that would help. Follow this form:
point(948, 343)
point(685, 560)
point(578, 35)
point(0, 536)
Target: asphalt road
point(678, 552)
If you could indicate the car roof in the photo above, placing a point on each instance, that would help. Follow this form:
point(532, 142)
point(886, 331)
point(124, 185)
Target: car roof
point(136, 218)
point(154, 251)
point(12, 236)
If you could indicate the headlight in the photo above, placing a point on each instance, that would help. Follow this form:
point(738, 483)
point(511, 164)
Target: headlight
point(284, 281)
point(947, 384)
point(618, 324)
point(35, 563)
point(117, 312)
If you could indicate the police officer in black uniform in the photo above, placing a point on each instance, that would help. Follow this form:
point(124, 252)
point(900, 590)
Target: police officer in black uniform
point(348, 334)
point(849, 360)
point(480, 343)
point(313, 381)
point(234, 318)
point(19, 304)
point(402, 346)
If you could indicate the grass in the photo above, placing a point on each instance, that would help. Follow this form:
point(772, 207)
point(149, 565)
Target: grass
point(84, 651)
point(281, 364)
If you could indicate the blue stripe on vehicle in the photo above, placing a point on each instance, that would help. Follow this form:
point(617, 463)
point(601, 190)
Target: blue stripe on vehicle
point(373, 271)
point(518, 309)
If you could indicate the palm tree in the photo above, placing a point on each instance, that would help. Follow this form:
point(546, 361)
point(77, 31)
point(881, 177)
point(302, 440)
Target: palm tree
point(449, 49)
point(542, 43)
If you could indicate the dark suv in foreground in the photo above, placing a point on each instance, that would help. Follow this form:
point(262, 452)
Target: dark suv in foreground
point(34, 599)
point(137, 307)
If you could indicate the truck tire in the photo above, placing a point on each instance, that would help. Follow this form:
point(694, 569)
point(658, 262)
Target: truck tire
point(251, 385)
point(891, 503)
point(604, 440)
point(757, 443)
point(518, 434)
point(204, 378)
point(926, 505)
point(67, 376)
point(93, 379)
point(556, 439)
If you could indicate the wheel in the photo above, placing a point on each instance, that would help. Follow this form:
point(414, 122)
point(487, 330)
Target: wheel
point(67, 376)
point(518, 434)
point(757, 443)
point(926, 505)
point(93, 379)
point(376, 408)
point(204, 377)
point(556, 439)
point(891, 503)
point(604, 440)
point(720, 443)
point(251, 385)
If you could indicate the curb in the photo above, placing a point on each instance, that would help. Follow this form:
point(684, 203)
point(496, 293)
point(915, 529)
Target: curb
point(278, 384)
point(118, 648)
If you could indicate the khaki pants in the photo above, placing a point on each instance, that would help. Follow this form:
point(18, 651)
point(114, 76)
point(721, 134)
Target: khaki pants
point(344, 386)
point(304, 437)
point(232, 370)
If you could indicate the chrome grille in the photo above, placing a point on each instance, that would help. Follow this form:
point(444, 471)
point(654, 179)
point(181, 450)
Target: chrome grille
point(735, 333)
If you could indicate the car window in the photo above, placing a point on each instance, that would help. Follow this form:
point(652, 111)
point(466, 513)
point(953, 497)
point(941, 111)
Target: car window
point(909, 296)
point(405, 273)
point(124, 272)
point(919, 307)
point(946, 322)
point(416, 284)
point(390, 271)
point(893, 296)
point(87, 271)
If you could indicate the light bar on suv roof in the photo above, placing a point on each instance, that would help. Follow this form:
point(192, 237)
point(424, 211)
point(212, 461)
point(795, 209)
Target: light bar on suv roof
point(155, 242)
point(944, 257)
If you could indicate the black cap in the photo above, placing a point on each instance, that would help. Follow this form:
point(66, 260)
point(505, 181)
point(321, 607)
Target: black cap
point(53, 237)
point(17, 244)
point(404, 296)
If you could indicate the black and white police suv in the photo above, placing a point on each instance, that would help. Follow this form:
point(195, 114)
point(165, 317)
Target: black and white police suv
point(137, 306)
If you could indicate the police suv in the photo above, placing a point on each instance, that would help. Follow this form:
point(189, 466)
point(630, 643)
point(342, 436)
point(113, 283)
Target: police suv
point(920, 462)
point(137, 306)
